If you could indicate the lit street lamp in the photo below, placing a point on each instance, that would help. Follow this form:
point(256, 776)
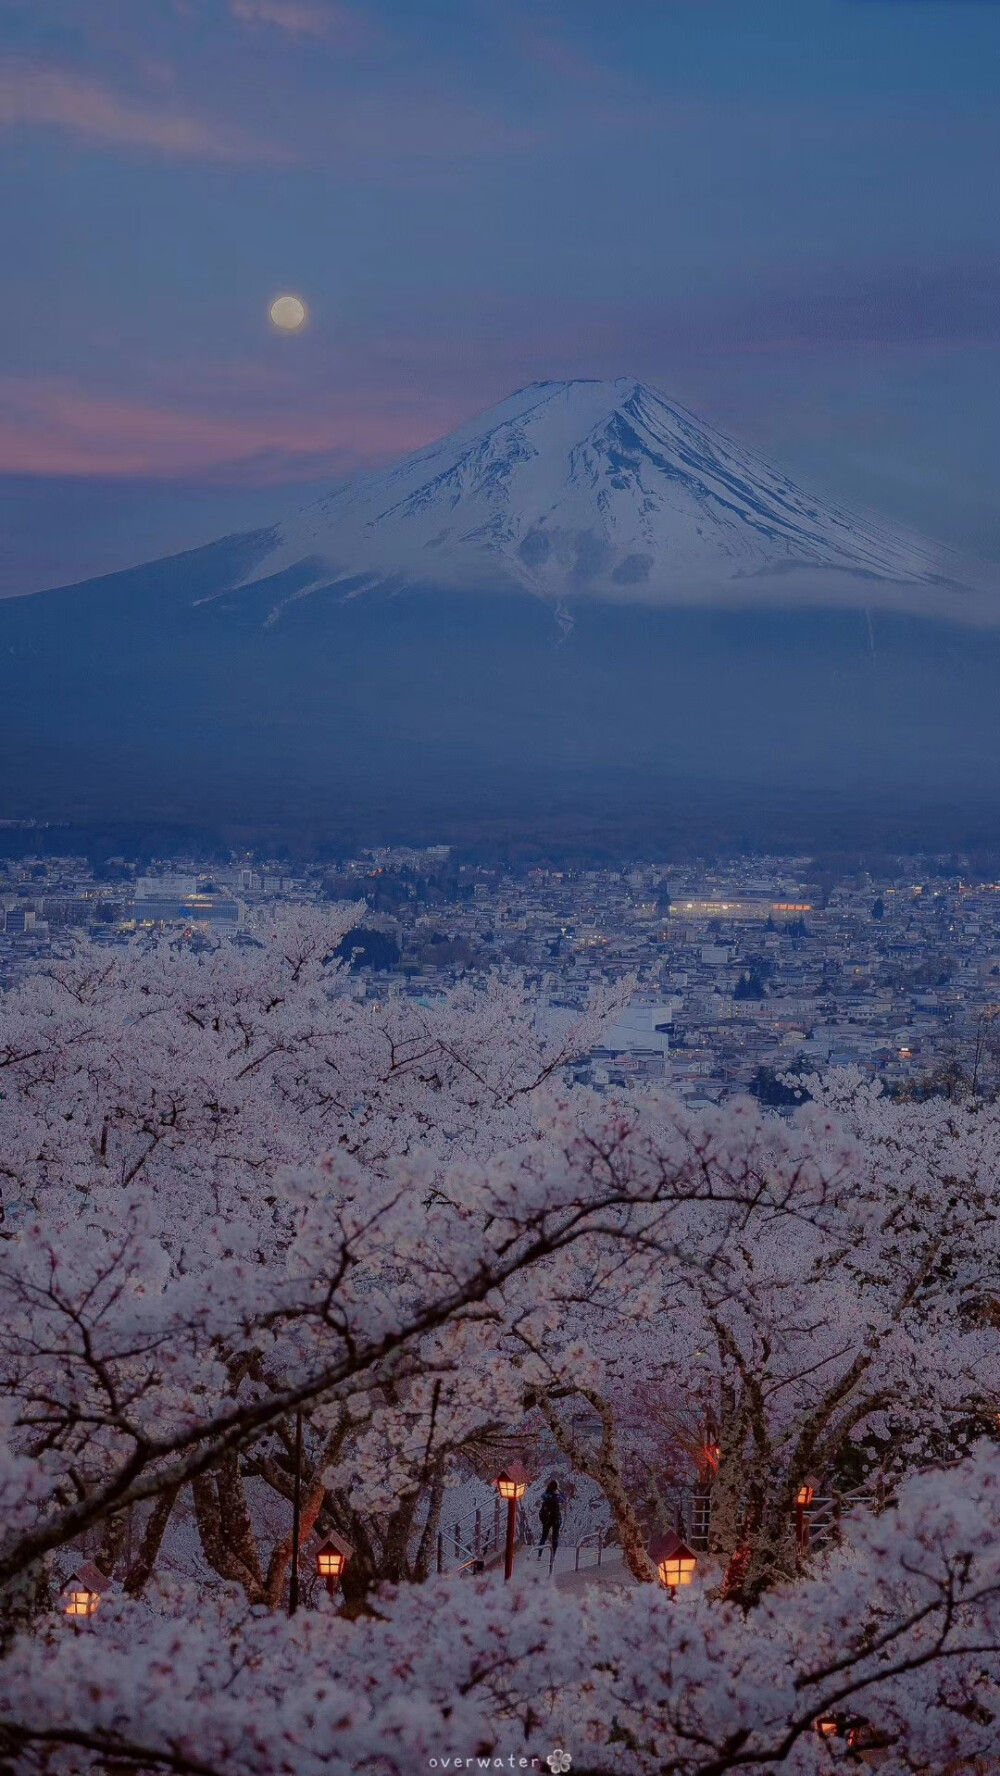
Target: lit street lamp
point(84, 1590)
point(803, 1499)
point(512, 1485)
point(82, 1602)
point(331, 1560)
point(673, 1560)
point(708, 1461)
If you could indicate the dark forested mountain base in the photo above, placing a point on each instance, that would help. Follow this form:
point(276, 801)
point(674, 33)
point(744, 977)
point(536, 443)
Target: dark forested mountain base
point(165, 695)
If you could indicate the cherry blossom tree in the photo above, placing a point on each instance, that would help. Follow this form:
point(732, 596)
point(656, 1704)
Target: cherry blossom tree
point(234, 1194)
point(828, 1344)
point(158, 1095)
point(894, 1644)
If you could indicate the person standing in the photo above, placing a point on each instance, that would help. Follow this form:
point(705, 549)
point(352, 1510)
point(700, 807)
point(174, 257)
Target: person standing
point(550, 1517)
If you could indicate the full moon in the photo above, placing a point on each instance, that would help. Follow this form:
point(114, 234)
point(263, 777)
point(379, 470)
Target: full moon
point(288, 313)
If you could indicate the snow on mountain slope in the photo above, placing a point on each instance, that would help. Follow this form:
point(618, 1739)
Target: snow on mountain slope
point(606, 489)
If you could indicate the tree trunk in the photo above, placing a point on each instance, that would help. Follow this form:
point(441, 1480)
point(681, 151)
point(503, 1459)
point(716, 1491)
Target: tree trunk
point(428, 1540)
point(603, 1468)
point(773, 1552)
point(112, 1544)
point(234, 1514)
point(361, 1573)
point(281, 1554)
point(231, 1559)
point(394, 1564)
point(141, 1569)
point(725, 1519)
point(22, 1602)
point(358, 1581)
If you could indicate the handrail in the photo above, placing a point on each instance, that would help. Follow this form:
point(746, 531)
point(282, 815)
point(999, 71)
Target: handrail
point(693, 1507)
point(471, 1539)
point(597, 1535)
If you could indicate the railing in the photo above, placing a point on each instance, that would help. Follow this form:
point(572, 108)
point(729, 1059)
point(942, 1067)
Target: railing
point(823, 1518)
point(696, 1518)
point(690, 1509)
point(478, 1538)
point(599, 1538)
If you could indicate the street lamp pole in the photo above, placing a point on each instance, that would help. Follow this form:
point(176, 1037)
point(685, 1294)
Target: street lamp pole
point(293, 1583)
point(508, 1553)
point(803, 1499)
point(511, 1485)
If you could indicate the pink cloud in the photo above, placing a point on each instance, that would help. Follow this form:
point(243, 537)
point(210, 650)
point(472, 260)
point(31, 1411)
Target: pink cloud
point(558, 56)
point(49, 97)
point(304, 18)
point(55, 427)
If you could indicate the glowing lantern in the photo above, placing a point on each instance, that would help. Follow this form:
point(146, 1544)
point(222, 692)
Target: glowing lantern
point(826, 1727)
point(804, 1495)
point(331, 1560)
point(708, 1458)
point(512, 1485)
point(82, 1603)
point(673, 1560)
point(84, 1590)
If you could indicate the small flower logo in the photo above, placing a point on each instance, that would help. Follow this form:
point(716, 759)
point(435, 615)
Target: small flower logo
point(559, 1761)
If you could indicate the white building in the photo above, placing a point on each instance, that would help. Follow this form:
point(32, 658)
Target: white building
point(644, 1026)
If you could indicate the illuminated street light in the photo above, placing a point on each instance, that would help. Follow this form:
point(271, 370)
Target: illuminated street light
point(804, 1496)
point(331, 1560)
point(708, 1460)
point(673, 1559)
point(82, 1603)
point(84, 1590)
point(512, 1485)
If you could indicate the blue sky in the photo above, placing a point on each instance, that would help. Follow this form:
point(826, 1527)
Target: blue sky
point(780, 211)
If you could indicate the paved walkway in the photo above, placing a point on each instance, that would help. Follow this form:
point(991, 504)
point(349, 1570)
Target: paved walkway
point(612, 1570)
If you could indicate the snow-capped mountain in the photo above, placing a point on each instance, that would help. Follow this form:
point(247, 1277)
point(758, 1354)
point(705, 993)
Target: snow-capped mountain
point(582, 613)
point(599, 488)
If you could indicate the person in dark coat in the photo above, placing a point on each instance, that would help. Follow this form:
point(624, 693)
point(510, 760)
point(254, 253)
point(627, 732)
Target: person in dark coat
point(550, 1517)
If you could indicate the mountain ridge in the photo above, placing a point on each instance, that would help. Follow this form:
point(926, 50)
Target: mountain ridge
point(594, 488)
point(515, 680)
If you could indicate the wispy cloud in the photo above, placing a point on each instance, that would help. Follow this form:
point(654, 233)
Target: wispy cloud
point(929, 303)
point(51, 426)
point(39, 96)
point(323, 19)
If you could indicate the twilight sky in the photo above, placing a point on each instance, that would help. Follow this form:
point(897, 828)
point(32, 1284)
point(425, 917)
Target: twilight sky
point(782, 212)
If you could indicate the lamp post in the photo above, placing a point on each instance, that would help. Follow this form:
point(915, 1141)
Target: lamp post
point(331, 1560)
point(804, 1496)
point(84, 1590)
point(673, 1559)
point(708, 1462)
point(512, 1485)
point(293, 1582)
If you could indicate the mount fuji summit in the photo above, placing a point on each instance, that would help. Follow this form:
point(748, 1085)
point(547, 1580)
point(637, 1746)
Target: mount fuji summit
point(571, 489)
point(584, 617)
